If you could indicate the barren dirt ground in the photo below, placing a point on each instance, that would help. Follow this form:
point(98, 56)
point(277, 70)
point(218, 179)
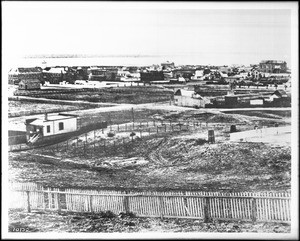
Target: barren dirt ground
point(171, 160)
point(109, 223)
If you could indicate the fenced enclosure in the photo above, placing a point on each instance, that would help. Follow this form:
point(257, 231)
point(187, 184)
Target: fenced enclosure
point(99, 141)
point(246, 206)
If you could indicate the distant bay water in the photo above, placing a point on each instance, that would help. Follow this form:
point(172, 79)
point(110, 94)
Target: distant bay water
point(90, 61)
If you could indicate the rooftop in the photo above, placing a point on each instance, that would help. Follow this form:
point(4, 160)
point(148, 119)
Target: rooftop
point(53, 117)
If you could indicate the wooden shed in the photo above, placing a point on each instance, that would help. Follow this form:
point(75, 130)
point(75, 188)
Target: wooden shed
point(29, 84)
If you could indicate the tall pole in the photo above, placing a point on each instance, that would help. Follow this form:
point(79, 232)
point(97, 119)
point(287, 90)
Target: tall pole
point(132, 114)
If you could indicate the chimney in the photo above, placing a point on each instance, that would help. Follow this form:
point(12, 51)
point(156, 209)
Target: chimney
point(46, 116)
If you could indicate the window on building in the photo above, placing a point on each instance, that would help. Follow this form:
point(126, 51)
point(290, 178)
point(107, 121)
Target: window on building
point(60, 126)
point(48, 129)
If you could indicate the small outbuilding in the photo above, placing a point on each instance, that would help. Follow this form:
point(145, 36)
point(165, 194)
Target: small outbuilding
point(29, 84)
point(257, 101)
point(278, 94)
point(189, 98)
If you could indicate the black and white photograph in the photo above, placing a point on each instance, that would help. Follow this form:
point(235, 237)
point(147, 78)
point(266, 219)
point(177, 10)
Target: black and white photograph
point(150, 120)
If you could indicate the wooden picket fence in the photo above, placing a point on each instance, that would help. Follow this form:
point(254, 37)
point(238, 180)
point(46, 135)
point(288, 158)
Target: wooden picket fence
point(246, 206)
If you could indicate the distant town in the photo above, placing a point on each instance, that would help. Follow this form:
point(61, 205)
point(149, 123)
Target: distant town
point(197, 86)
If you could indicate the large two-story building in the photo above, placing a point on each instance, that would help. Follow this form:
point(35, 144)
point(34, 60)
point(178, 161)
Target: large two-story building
point(273, 66)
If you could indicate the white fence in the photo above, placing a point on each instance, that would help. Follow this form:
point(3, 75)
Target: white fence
point(247, 206)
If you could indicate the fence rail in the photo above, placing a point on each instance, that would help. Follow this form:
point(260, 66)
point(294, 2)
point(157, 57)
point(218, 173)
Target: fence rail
point(247, 206)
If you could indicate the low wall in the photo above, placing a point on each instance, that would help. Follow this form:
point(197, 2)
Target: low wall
point(259, 133)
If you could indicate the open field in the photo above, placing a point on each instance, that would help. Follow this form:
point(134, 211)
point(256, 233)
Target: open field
point(108, 222)
point(20, 106)
point(170, 160)
point(167, 160)
point(132, 94)
point(164, 161)
point(184, 165)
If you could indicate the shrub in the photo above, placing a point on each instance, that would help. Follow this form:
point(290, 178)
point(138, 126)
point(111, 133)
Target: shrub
point(107, 214)
point(200, 142)
point(127, 215)
point(110, 134)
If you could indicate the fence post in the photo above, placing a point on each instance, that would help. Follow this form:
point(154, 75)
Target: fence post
point(58, 202)
point(211, 136)
point(165, 128)
point(91, 203)
point(126, 203)
point(161, 207)
point(28, 201)
point(187, 213)
point(157, 129)
point(83, 148)
point(206, 210)
point(118, 128)
point(125, 127)
point(253, 210)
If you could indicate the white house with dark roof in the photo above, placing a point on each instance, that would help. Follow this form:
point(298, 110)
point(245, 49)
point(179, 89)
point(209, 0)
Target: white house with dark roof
point(50, 125)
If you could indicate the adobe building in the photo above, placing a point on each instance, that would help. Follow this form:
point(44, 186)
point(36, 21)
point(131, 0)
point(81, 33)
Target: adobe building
point(15, 75)
point(29, 84)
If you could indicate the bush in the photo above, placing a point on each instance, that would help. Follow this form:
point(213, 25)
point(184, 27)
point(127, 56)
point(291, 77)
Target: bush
point(127, 215)
point(200, 141)
point(110, 134)
point(107, 214)
point(132, 134)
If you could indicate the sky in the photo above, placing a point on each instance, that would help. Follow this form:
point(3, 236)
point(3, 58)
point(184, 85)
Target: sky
point(192, 34)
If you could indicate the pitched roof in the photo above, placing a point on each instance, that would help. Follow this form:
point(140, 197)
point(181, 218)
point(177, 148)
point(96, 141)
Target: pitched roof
point(280, 93)
point(188, 93)
point(30, 70)
point(26, 81)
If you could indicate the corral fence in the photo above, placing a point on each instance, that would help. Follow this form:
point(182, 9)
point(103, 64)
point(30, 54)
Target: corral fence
point(246, 206)
point(98, 140)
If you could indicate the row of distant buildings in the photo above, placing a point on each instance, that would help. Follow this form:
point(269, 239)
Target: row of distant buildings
point(192, 98)
point(166, 72)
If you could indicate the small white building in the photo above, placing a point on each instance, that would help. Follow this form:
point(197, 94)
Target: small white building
point(257, 101)
point(50, 125)
point(189, 98)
